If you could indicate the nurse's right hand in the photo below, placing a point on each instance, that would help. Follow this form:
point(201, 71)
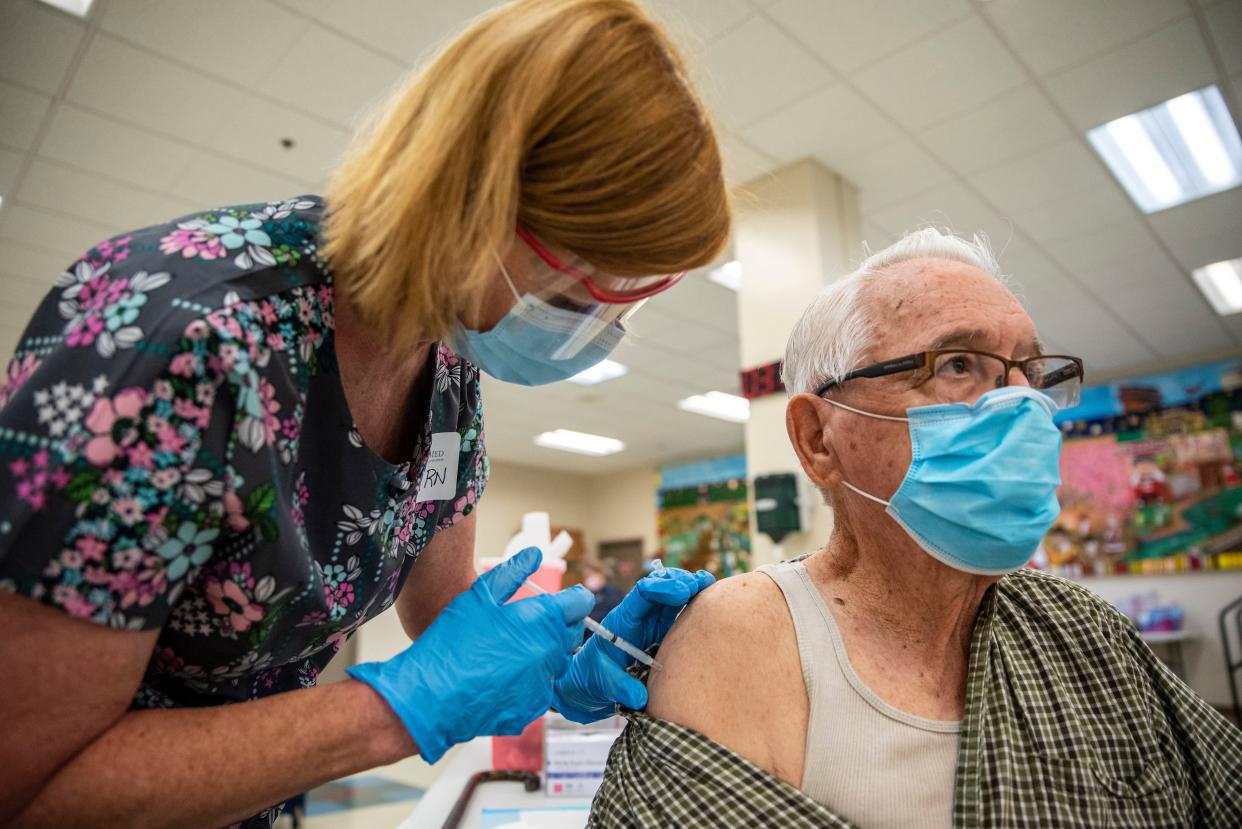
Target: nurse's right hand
point(482, 667)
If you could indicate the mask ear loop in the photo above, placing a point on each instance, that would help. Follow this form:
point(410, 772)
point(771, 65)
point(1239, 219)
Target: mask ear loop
point(853, 488)
point(866, 414)
point(846, 483)
point(508, 281)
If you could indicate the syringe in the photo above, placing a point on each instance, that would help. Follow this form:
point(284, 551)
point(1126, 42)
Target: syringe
point(599, 630)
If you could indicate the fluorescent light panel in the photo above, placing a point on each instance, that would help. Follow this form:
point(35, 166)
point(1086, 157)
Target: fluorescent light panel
point(1175, 152)
point(582, 443)
point(719, 405)
point(598, 373)
point(77, 8)
point(1221, 283)
point(729, 275)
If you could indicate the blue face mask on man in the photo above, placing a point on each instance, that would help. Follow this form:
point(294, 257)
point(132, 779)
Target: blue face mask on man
point(537, 343)
point(980, 492)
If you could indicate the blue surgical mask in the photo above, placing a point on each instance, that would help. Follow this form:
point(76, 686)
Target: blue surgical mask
point(528, 345)
point(980, 492)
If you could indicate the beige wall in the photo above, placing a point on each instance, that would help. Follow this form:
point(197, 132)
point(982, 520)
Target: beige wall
point(515, 490)
point(606, 508)
point(621, 505)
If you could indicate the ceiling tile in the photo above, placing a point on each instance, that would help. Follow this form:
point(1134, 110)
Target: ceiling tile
point(146, 90)
point(90, 198)
point(1203, 231)
point(239, 40)
point(945, 74)
point(1219, 213)
point(697, 299)
point(755, 69)
point(1225, 24)
point(407, 30)
point(1203, 250)
point(23, 112)
point(1142, 74)
point(848, 34)
point(743, 163)
point(674, 334)
point(215, 182)
point(1042, 176)
point(1131, 273)
point(1236, 83)
point(949, 205)
point(102, 145)
point(833, 123)
point(877, 237)
point(891, 173)
point(1010, 126)
point(697, 22)
point(1115, 240)
point(1074, 212)
point(9, 164)
point(304, 79)
point(69, 237)
point(253, 131)
point(1053, 34)
point(1086, 329)
point(1173, 317)
point(1041, 286)
point(41, 55)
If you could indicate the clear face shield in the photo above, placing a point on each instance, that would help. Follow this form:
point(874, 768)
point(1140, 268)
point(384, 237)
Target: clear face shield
point(573, 298)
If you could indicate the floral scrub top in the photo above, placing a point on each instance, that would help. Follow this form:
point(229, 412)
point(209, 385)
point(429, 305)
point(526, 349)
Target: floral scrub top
point(176, 452)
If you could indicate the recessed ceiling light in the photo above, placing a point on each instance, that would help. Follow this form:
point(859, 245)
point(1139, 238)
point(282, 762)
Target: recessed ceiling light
point(1181, 150)
point(598, 373)
point(77, 8)
point(718, 404)
point(1221, 283)
point(584, 444)
point(729, 275)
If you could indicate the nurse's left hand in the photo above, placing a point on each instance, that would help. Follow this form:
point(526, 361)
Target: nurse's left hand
point(596, 680)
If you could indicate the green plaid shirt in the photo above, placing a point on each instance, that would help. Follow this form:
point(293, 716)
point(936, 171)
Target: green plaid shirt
point(1070, 721)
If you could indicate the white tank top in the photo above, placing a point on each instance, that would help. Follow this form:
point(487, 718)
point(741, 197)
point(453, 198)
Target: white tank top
point(866, 760)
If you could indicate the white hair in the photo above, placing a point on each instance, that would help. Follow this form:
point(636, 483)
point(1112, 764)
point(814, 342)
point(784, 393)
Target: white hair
point(835, 329)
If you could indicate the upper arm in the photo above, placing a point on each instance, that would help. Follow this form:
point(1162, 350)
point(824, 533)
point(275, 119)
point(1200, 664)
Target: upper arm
point(66, 682)
point(732, 673)
point(444, 569)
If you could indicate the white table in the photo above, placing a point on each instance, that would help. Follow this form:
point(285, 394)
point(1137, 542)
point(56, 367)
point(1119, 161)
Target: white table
point(475, 756)
point(1171, 641)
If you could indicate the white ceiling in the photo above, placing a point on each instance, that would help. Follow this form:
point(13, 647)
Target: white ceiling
point(966, 113)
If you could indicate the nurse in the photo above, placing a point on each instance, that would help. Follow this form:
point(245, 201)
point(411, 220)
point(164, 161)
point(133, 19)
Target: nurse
point(228, 441)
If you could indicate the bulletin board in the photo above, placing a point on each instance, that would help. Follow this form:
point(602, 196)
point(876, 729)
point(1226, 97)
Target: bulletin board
point(706, 527)
point(1153, 485)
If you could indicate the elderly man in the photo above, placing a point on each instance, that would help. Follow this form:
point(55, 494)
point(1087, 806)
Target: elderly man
point(909, 673)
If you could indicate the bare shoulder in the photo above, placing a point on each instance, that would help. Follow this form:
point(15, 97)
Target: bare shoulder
point(732, 672)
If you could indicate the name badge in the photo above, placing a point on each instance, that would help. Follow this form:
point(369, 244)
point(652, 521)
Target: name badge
point(439, 480)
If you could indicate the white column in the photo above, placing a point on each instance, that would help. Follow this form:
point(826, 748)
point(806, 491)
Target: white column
point(796, 230)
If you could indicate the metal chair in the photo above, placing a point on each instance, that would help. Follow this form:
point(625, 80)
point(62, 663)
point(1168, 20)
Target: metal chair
point(1231, 616)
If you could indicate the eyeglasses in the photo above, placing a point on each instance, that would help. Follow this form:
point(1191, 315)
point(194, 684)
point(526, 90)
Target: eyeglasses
point(603, 287)
point(963, 375)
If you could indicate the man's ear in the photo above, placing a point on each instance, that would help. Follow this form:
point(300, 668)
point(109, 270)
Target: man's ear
point(807, 421)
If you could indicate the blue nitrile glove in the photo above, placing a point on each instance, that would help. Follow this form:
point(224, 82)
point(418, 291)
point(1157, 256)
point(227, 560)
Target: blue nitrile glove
point(597, 680)
point(482, 667)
